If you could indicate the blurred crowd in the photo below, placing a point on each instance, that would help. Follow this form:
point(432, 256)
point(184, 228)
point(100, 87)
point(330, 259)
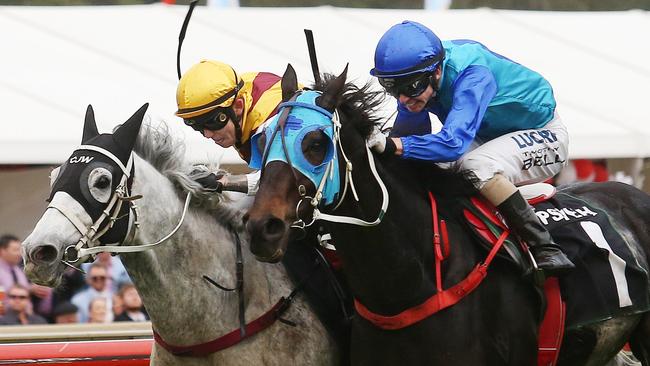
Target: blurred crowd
point(103, 294)
point(583, 170)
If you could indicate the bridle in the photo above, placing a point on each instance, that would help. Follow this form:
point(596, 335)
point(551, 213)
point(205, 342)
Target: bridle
point(88, 244)
point(315, 201)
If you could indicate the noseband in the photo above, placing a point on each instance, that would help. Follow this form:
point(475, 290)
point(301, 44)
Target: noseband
point(88, 244)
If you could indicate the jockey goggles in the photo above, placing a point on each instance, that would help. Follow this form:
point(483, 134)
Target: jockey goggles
point(213, 121)
point(411, 86)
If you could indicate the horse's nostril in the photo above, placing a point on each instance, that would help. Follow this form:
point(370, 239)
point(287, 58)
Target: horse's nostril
point(274, 227)
point(245, 218)
point(44, 253)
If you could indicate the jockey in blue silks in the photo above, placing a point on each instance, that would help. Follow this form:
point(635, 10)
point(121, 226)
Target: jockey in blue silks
point(499, 122)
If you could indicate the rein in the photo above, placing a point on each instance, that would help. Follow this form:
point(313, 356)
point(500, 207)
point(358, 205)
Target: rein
point(353, 220)
point(442, 298)
point(137, 248)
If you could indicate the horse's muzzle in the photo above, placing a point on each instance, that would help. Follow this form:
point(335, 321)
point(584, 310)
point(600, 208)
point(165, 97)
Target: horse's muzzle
point(42, 265)
point(44, 254)
point(269, 237)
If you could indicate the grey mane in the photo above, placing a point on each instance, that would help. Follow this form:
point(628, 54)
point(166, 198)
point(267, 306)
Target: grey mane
point(166, 153)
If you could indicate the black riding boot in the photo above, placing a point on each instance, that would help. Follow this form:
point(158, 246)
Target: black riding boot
point(522, 219)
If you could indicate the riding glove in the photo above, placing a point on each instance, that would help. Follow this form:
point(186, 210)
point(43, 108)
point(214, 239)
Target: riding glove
point(380, 143)
point(208, 180)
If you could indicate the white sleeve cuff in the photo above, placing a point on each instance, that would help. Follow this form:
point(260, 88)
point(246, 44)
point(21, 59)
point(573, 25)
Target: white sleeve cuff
point(252, 180)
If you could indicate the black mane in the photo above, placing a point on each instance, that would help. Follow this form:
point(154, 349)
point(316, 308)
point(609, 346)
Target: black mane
point(359, 105)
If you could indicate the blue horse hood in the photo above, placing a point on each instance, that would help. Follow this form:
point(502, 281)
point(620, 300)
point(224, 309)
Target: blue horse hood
point(305, 116)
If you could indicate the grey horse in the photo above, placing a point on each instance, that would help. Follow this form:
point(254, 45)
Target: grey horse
point(185, 309)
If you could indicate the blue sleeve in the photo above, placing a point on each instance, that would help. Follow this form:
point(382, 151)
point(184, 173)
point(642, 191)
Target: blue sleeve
point(410, 123)
point(473, 90)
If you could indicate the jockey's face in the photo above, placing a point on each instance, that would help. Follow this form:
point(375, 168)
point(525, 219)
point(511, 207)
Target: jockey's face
point(224, 137)
point(227, 136)
point(416, 104)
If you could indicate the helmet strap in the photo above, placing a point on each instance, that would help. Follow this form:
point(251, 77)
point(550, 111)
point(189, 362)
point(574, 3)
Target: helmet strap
point(434, 82)
point(236, 120)
point(238, 134)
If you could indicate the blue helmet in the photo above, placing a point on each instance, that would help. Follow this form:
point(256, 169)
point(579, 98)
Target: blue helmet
point(405, 49)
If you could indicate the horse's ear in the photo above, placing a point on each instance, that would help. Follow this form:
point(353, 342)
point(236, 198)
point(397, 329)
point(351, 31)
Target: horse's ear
point(90, 126)
point(289, 83)
point(127, 133)
point(330, 97)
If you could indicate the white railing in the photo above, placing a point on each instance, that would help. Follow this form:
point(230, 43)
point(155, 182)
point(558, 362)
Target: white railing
point(75, 332)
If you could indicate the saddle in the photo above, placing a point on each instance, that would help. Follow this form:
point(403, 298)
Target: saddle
point(608, 281)
point(486, 223)
point(590, 293)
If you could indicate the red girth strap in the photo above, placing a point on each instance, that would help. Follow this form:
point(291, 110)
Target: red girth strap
point(442, 298)
point(228, 340)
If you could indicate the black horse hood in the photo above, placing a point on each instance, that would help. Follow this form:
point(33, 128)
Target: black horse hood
point(74, 173)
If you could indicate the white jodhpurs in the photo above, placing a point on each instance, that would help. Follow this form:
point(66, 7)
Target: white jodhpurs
point(523, 157)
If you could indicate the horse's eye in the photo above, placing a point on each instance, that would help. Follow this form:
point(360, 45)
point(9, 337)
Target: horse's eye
point(317, 146)
point(314, 147)
point(99, 182)
point(102, 182)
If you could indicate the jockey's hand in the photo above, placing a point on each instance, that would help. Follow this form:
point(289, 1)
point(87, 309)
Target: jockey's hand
point(208, 180)
point(380, 143)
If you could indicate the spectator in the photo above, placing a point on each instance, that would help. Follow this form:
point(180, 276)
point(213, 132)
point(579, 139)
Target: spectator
point(118, 306)
point(98, 310)
point(117, 275)
point(19, 309)
point(133, 309)
point(96, 279)
point(72, 282)
point(65, 313)
point(10, 258)
point(12, 274)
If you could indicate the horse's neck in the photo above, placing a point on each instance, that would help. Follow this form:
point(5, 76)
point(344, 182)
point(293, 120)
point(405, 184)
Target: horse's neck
point(396, 257)
point(385, 258)
point(182, 305)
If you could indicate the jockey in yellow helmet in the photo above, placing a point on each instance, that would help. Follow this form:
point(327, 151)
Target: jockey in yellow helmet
point(227, 108)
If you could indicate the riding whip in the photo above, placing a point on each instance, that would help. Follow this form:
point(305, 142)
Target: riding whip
point(181, 36)
point(312, 55)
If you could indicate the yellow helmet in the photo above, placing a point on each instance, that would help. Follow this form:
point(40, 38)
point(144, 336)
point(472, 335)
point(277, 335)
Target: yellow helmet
point(206, 86)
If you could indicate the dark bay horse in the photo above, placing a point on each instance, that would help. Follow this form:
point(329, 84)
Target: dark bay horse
point(390, 265)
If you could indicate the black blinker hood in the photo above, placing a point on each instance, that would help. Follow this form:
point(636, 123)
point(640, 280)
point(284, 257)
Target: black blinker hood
point(73, 175)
